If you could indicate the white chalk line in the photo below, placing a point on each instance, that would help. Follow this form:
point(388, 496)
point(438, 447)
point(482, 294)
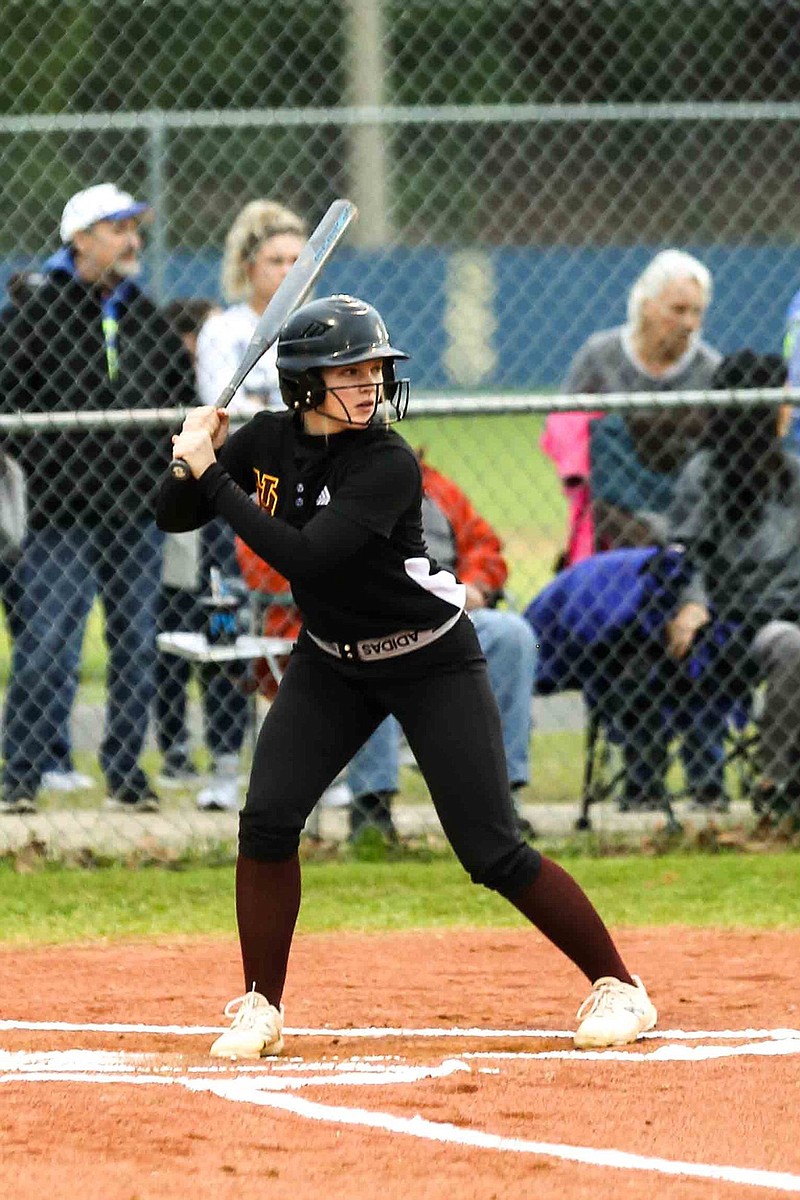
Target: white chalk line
point(377, 1032)
point(666, 1053)
point(444, 1132)
point(117, 1066)
point(249, 1090)
point(63, 1060)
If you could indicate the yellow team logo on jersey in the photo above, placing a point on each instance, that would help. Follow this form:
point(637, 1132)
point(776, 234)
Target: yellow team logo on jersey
point(266, 491)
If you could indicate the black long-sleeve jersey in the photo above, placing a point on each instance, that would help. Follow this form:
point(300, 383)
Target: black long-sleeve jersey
point(338, 516)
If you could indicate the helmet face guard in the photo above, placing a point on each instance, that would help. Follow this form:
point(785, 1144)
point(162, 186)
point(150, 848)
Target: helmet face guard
point(337, 331)
point(395, 395)
point(307, 391)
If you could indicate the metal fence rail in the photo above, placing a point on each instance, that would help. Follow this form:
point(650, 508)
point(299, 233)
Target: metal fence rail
point(430, 406)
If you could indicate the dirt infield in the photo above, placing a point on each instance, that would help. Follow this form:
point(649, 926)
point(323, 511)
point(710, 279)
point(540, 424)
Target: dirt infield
point(423, 1066)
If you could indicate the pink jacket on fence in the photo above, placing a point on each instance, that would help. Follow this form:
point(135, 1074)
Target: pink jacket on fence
point(565, 441)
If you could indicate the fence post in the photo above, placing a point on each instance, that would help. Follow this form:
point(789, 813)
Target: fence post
point(369, 168)
point(157, 196)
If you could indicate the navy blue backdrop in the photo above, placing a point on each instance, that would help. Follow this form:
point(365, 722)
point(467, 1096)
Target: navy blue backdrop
point(546, 300)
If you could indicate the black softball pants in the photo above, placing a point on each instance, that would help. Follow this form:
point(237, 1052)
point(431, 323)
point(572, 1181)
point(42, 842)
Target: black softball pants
point(326, 709)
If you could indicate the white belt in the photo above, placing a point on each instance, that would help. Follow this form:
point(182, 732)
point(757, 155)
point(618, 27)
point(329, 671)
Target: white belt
point(389, 645)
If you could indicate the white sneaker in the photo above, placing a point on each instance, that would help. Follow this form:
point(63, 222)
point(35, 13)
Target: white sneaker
point(221, 795)
point(614, 1014)
point(227, 765)
point(256, 1029)
point(66, 781)
point(338, 795)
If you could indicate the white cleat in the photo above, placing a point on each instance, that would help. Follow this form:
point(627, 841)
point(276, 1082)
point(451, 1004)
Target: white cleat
point(221, 795)
point(256, 1029)
point(338, 795)
point(66, 781)
point(614, 1014)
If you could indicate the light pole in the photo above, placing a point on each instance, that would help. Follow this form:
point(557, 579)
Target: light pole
point(368, 167)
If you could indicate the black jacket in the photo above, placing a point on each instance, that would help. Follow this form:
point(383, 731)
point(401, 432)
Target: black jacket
point(53, 359)
point(338, 516)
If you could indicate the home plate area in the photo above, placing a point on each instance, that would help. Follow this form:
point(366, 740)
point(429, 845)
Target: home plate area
point(419, 1065)
point(468, 1088)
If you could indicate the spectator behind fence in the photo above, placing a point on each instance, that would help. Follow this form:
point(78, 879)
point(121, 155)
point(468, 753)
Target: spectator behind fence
point(263, 243)
point(59, 772)
point(461, 541)
point(659, 349)
point(12, 482)
point(737, 508)
point(88, 339)
point(601, 627)
point(188, 561)
point(791, 352)
point(632, 463)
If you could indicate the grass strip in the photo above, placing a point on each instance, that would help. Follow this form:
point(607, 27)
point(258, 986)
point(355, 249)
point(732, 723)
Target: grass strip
point(53, 905)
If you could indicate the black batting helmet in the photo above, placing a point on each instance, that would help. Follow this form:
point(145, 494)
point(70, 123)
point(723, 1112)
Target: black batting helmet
point(330, 332)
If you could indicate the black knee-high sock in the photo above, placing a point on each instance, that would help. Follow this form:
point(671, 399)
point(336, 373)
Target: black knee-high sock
point(267, 904)
point(563, 912)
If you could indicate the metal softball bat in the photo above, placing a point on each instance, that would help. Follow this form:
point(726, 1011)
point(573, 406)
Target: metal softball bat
point(291, 293)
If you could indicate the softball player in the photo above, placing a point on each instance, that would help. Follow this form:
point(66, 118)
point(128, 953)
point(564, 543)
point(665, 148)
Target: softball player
point(330, 496)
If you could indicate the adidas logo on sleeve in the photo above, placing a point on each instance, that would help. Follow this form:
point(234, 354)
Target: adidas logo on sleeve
point(324, 497)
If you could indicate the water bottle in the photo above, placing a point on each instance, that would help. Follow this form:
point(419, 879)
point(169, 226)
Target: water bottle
point(222, 607)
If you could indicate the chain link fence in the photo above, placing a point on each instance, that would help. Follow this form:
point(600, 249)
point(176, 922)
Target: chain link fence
point(516, 167)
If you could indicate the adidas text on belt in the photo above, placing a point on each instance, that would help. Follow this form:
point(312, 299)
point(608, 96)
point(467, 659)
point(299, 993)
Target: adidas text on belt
point(391, 645)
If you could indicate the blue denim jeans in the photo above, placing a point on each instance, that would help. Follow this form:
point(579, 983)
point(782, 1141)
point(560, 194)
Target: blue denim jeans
point(61, 572)
point(59, 757)
point(701, 748)
point(645, 726)
point(509, 645)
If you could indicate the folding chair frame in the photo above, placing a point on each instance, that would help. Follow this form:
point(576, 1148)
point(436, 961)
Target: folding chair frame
point(603, 777)
point(597, 785)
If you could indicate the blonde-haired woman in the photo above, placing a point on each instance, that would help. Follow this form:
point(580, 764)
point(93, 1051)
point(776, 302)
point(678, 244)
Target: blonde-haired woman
point(262, 244)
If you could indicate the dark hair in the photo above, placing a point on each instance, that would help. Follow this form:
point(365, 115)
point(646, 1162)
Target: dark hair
point(21, 284)
point(746, 369)
point(188, 316)
point(748, 461)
